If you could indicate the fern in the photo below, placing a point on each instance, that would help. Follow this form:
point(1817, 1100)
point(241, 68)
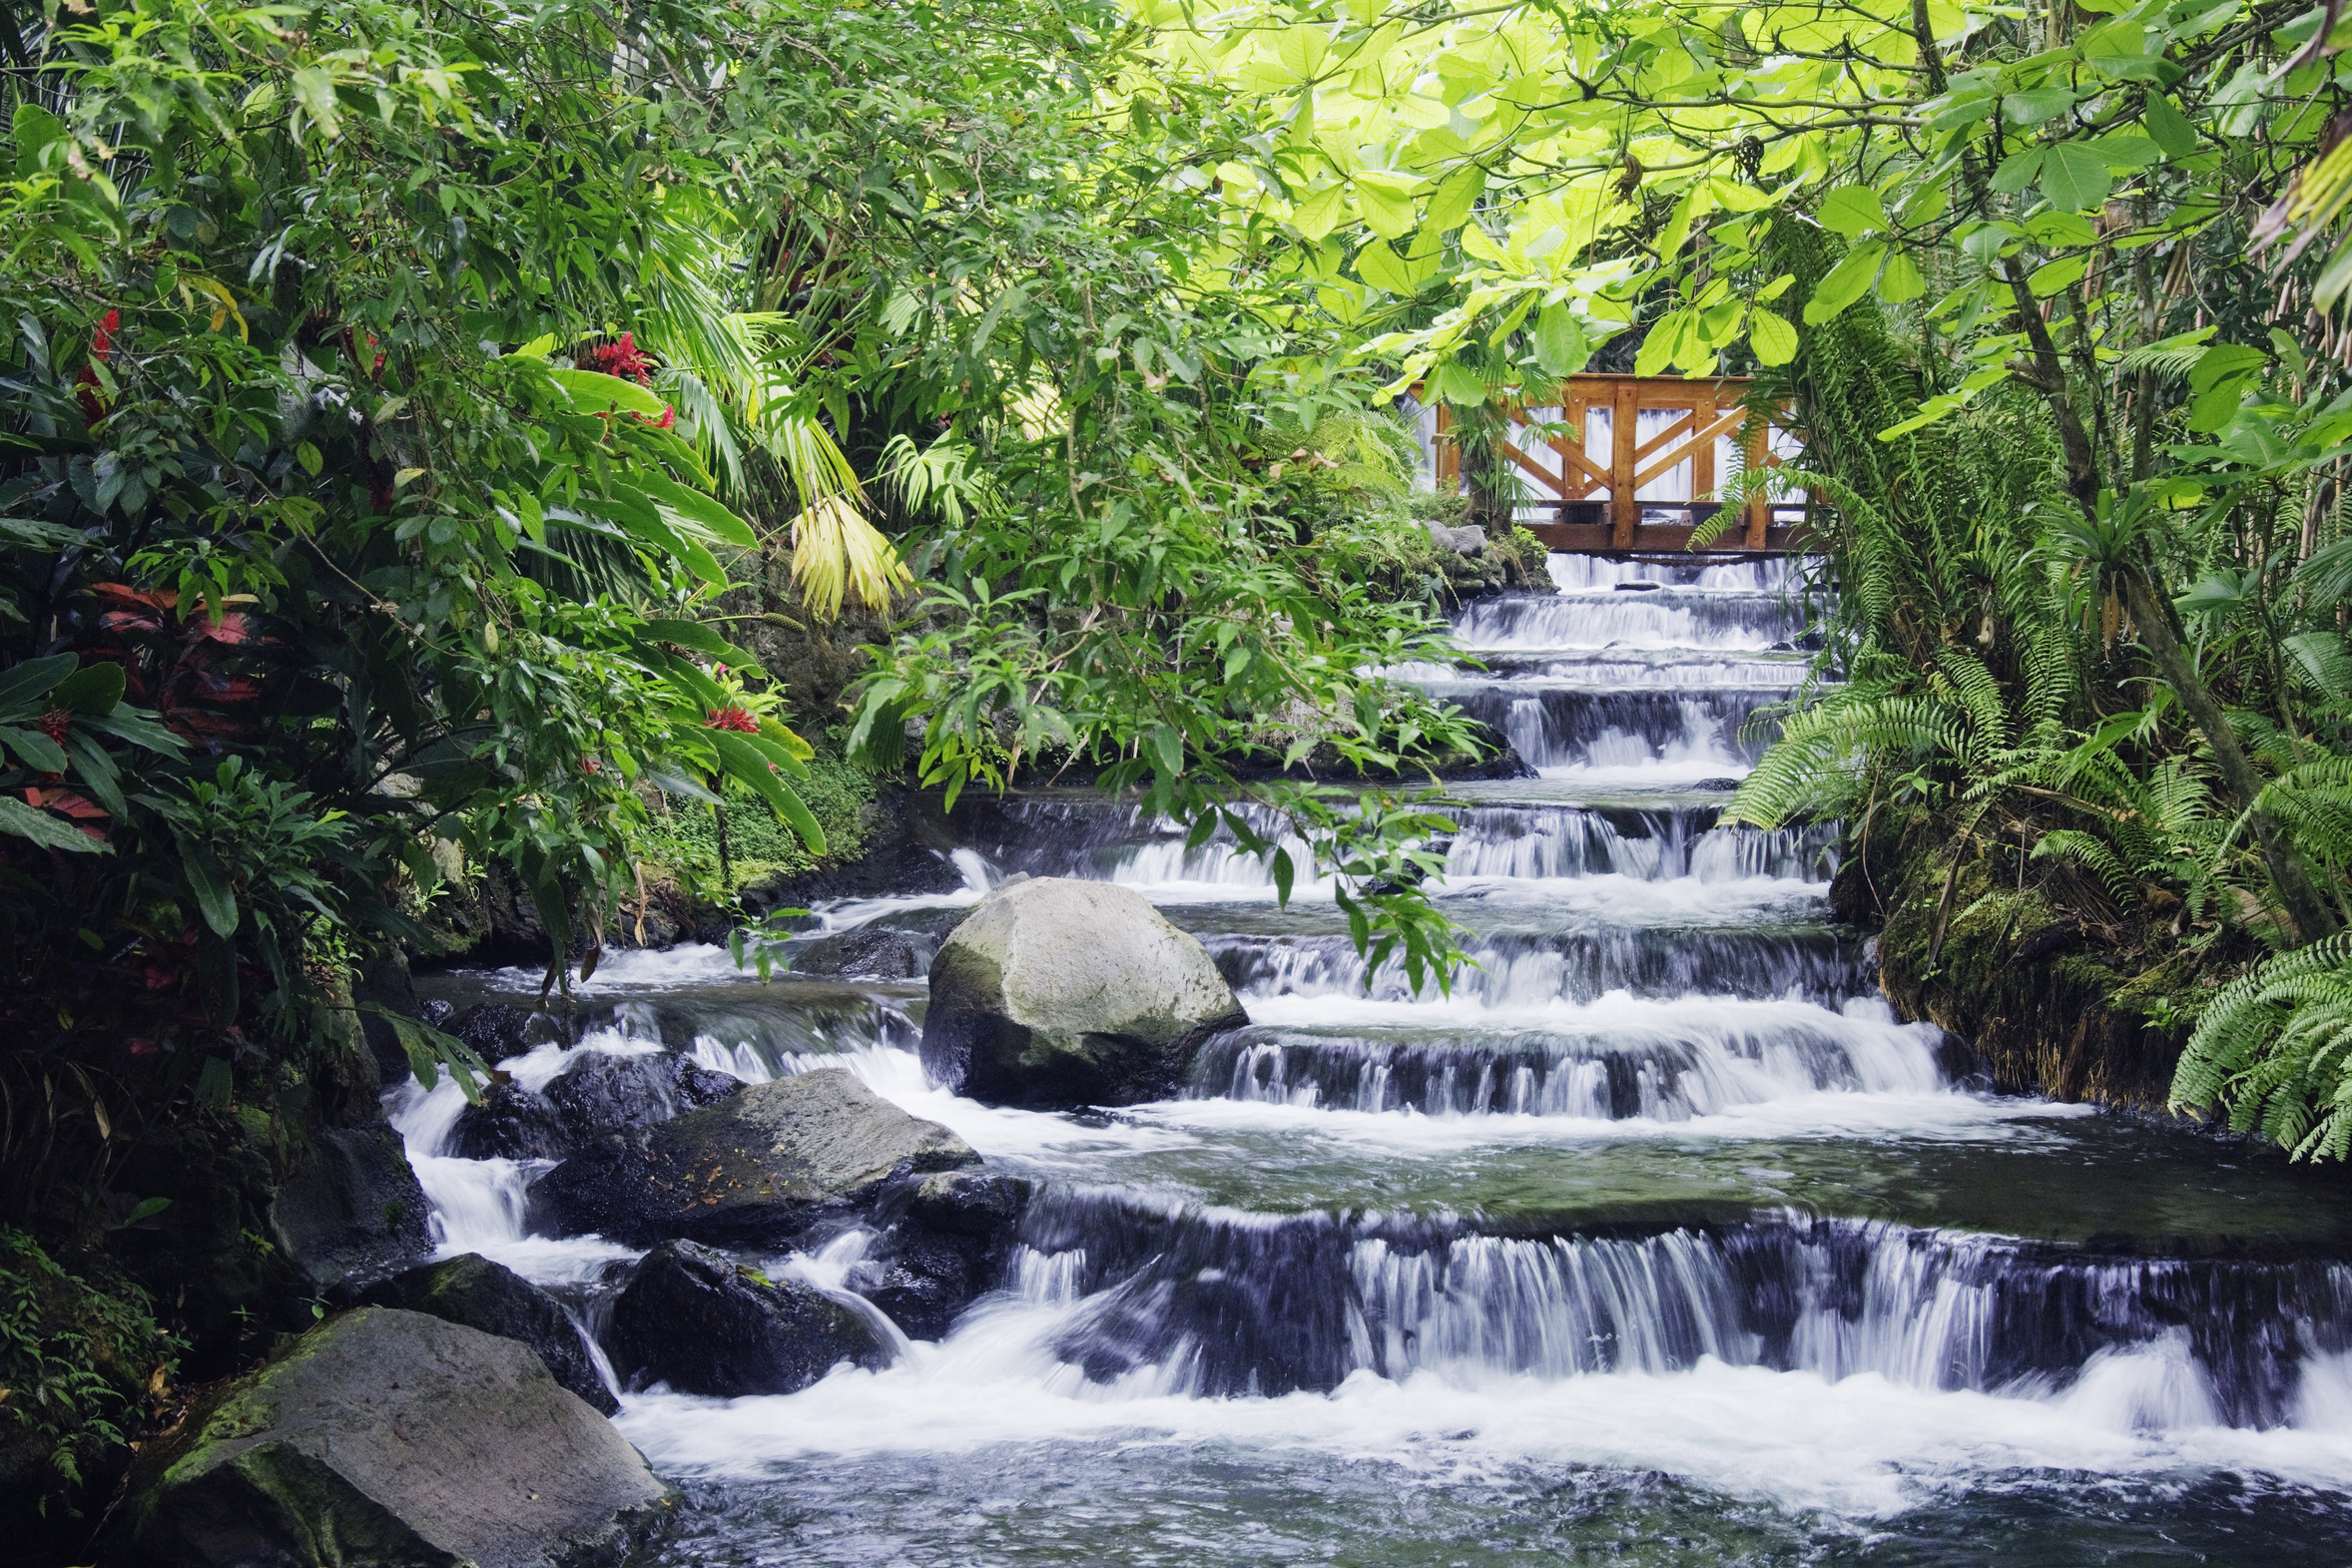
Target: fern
point(2274, 1052)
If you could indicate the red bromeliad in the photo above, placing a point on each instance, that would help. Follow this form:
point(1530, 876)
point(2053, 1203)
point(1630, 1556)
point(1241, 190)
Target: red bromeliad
point(737, 719)
point(618, 358)
point(102, 347)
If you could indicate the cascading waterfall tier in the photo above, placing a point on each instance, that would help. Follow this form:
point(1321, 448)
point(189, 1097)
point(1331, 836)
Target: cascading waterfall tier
point(1220, 1304)
point(1657, 1226)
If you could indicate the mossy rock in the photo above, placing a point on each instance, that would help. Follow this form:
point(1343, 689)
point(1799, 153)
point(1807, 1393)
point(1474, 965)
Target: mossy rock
point(392, 1439)
point(1056, 993)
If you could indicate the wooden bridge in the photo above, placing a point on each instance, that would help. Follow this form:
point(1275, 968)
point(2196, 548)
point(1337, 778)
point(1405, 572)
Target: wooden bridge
point(1624, 464)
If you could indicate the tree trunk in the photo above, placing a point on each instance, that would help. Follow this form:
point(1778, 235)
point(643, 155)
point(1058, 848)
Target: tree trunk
point(2306, 911)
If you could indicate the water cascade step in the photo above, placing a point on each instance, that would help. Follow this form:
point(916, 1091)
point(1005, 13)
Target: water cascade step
point(1658, 1230)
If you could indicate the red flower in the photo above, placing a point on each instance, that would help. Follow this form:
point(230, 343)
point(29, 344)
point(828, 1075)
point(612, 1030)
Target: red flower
point(592, 766)
point(55, 723)
point(101, 346)
point(735, 718)
point(618, 358)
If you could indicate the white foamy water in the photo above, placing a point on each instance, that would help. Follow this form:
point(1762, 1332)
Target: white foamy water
point(481, 1206)
point(1866, 1444)
point(1661, 1001)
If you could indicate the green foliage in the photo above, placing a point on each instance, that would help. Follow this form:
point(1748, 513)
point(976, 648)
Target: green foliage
point(2274, 1051)
point(74, 1361)
point(331, 533)
point(681, 838)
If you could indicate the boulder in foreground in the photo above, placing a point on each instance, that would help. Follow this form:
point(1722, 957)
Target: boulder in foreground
point(471, 1290)
point(756, 1169)
point(1057, 993)
point(388, 1438)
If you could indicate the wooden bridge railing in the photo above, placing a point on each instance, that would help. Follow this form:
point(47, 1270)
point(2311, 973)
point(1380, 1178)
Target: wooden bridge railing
point(1624, 462)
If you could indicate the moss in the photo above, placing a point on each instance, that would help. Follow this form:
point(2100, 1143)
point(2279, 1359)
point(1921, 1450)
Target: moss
point(2056, 993)
point(684, 840)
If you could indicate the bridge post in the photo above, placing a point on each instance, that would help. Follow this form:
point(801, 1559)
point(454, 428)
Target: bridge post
point(1625, 511)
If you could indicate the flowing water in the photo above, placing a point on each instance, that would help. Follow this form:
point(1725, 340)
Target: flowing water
point(1660, 1241)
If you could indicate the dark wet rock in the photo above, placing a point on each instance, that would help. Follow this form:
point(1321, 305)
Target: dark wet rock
point(1716, 784)
point(598, 1092)
point(1057, 993)
point(511, 1123)
point(759, 1167)
point(498, 1030)
point(1639, 587)
point(391, 1438)
point(473, 1291)
point(694, 1318)
point(386, 983)
point(869, 953)
point(947, 1244)
point(350, 1206)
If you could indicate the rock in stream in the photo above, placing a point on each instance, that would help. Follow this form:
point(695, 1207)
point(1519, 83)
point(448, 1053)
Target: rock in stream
point(392, 1439)
point(756, 1169)
point(473, 1291)
point(696, 1319)
point(1057, 993)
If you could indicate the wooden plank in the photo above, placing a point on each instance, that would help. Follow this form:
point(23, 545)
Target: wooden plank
point(1541, 475)
point(1760, 509)
point(1702, 445)
point(1601, 539)
point(1677, 428)
point(1625, 511)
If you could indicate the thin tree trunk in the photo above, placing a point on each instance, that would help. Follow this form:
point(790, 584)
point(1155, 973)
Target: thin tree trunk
point(2305, 910)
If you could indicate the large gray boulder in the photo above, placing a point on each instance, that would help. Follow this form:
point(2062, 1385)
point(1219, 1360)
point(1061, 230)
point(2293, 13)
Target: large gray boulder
point(388, 1438)
point(1467, 540)
point(1057, 993)
point(756, 1169)
point(471, 1290)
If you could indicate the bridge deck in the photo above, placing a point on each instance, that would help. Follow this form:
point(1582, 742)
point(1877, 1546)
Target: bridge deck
point(1630, 464)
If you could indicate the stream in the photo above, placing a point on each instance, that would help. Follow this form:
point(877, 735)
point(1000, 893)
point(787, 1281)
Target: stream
point(1660, 1241)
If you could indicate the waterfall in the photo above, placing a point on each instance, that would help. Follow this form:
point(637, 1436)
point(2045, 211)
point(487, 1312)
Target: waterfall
point(1658, 1223)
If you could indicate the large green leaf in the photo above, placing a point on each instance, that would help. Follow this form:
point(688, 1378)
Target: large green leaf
point(1772, 338)
point(751, 764)
point(48, 831)
point(1560, 347)
point(629, 509)
point(39, 753)
point(1457, 193)
point(2169, 127)
point(32, 680)
point(594, 392)
point(702, 640)
point(1847, 282)
point(783, 757)
point(699, 508)
point(2075, 177)
point(1852, 210)
point(94, 690)
point(216, 896)
point(1379, 266)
